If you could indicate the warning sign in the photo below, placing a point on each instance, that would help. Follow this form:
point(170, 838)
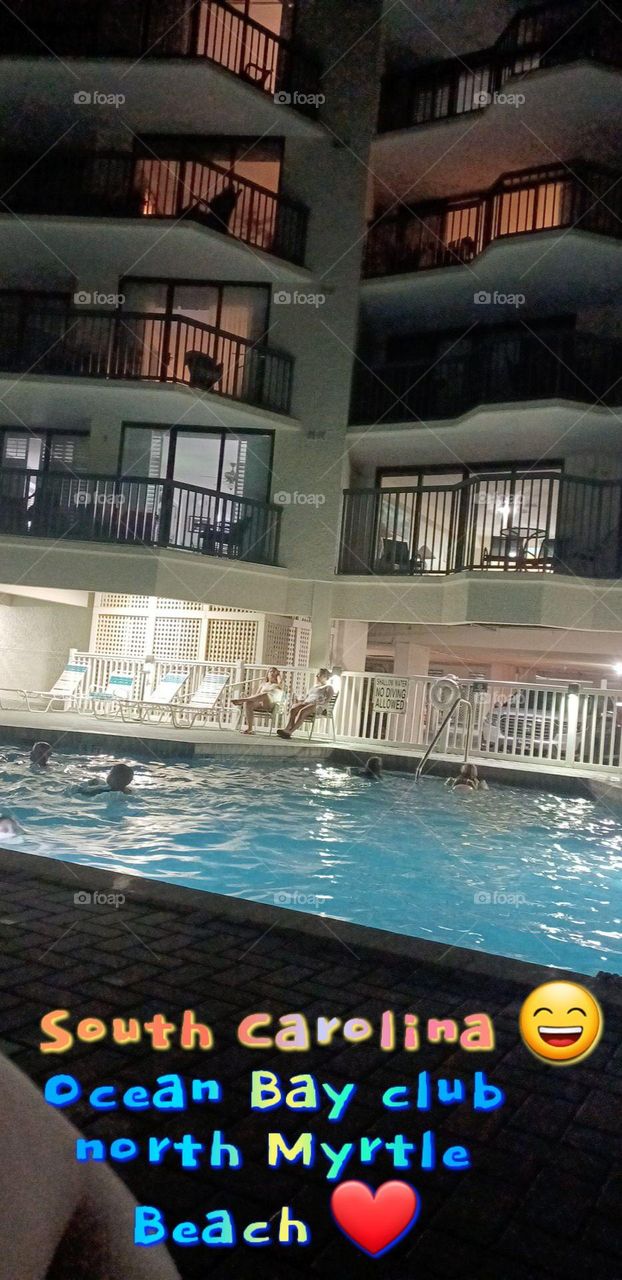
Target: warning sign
point(390, 694)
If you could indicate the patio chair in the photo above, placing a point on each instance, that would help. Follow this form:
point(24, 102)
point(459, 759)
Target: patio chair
point(274, 716)
point(103, 703)
point(395, 557)
point(157, 705)
point(507, 548)
point(327, 712)
point(205, 701)
point(203, 370)
point(64, 690)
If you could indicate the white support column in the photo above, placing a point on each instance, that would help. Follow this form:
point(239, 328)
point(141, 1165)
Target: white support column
point(350, 645)
point(410, 659)
point(320, 624)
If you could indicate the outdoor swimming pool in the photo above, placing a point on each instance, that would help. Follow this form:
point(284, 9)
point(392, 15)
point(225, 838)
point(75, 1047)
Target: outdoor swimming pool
point(521, 873)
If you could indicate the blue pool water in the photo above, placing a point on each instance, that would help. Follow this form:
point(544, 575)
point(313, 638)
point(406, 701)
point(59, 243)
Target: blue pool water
point(520, 873)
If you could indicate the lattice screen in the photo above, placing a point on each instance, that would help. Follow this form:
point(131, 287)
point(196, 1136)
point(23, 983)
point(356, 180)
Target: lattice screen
point(178, 638)
point(276, 641)
point(184, 631)
point(232, 640)
point(119, 635)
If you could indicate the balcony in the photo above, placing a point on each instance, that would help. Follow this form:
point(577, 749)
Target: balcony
point(449, 233)
point(130, 186)
point(489, 367)
point(527, 522)
point(208, 29)
point(139, 513)
point(39, 338)
point(550, 35)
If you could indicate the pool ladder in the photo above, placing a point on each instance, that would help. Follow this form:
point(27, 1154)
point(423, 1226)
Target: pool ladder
point(458, 701)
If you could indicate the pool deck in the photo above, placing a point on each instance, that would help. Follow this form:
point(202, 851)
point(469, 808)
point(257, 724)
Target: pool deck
point(70, 731)
point(542, 1200)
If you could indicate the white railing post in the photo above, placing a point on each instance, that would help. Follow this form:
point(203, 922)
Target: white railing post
point(572, 720)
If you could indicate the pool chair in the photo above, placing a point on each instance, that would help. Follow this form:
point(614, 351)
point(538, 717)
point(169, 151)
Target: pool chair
point(157, 706)
point(327, 713)
point(64, 691)
point(104, 703)
point(206, 702)
point(274, 717)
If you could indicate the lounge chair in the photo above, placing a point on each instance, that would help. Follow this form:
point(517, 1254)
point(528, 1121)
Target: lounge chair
point(64, 690)
point(106, 702)
point(205, 701)
point(324, 713)
point(157, 704)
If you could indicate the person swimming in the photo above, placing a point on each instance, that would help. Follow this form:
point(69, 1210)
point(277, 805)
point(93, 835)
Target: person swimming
point(9, 829)
point(468, 780)
point(118, 779)
point(372, 770)
point(40, 755)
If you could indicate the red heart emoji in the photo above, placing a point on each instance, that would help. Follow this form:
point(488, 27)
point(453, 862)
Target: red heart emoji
point(375, 1220)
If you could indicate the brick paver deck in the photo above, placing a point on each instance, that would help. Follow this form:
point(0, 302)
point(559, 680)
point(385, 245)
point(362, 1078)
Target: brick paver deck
point(543, 1197)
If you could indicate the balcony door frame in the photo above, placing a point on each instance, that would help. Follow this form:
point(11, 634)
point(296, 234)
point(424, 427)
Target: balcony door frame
point(469, 472)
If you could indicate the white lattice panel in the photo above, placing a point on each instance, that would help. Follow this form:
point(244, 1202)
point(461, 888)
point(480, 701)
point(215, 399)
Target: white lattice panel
point(108, 600)
point(120, 635)
point(276, 641)
point(232, 640)
point(178, 638)
point(178, 606)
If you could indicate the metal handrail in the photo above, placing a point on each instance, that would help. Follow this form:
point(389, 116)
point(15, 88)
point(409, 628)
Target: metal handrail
point(445, 721)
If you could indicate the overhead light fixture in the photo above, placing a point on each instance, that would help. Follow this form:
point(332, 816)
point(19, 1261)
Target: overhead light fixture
point(617, 666)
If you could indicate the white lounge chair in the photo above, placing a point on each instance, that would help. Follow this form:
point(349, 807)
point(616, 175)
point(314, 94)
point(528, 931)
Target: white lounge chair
point(157, 704)
point(64, 690)
point(324, 713)
point(106, 702)
point(207, 700)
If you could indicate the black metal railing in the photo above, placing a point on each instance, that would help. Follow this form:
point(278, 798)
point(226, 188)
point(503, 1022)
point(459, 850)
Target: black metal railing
point(78, 342)
point(490, 367)
point(121, 186)
point(210, 29)
point(446, 233)
point(144, 511)
point(546, 35)
point(530, 521)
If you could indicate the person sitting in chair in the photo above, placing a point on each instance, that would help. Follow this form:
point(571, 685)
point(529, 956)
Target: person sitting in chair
point(269, 695)
point(316, 698)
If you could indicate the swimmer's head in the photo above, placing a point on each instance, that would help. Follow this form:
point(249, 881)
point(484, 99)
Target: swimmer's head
point(40, 754)
point(374, 766)
point(469, 772)
point(9, 829)
point(120, 777)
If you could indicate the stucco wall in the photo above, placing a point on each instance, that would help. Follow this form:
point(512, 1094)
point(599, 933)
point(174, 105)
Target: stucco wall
point(35, 639)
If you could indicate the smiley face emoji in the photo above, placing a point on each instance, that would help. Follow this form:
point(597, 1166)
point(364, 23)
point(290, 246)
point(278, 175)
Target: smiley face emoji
point(561, 1022)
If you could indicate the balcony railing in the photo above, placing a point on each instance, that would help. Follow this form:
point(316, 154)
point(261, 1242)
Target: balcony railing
point(448, 233)
point(140, 346)
point(209, 29)
point(548, 35)
point(491, 368)
point(138, 512)
point(534, 522)
point(123, 186)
